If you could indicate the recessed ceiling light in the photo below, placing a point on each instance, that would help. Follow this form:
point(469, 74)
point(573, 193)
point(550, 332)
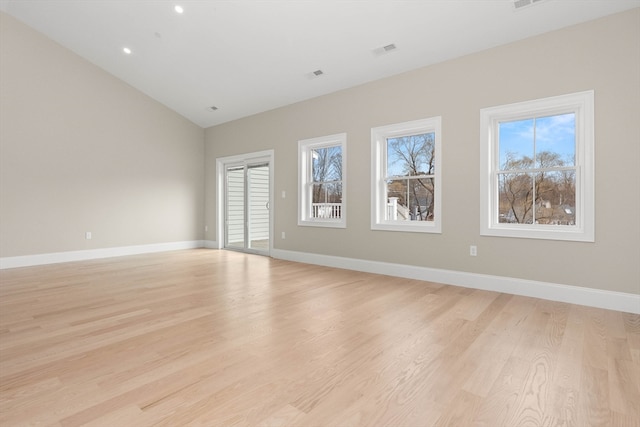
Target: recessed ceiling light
point(178, 8)
point(126, 50)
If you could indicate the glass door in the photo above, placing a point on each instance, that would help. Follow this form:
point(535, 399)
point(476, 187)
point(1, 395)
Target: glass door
point(247, 220)
point(235, 203)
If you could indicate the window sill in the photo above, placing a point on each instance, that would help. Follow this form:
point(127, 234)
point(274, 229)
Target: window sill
point(418, 227)
point(573, 234)
point(323, 223)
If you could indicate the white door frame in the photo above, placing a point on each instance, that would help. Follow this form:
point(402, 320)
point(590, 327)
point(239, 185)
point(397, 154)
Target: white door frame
point(221, 164)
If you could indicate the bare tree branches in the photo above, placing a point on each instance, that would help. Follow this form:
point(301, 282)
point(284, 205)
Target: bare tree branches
point(412, 156)
point(538, 191)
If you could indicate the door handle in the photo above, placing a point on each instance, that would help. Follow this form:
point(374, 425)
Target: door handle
point(267, 205)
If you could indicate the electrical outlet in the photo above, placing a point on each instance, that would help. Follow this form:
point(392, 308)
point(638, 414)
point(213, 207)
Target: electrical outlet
point(87, 235)
point(284, 194)
point(284, 235)
point(473, 250)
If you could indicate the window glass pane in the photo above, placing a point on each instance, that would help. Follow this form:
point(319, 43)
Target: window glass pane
point(322, 181)
point(516, 144)
point(411, 155)
point(410, 200)
point(556, 198)
point(235, 234)
point(326, 164)
point(537, 169)
point(556, 137)
point(326, 200)
point(515, 198)
point(327, 192)
point(397, 200)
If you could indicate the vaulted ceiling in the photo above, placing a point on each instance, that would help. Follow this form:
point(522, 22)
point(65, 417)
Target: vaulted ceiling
point(248, 56)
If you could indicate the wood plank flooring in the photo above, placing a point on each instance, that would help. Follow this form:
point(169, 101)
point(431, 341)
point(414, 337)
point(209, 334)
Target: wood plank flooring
point(219, 338)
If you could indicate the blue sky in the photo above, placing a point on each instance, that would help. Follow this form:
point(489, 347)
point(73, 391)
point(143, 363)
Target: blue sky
point(552, 133)
point(396, 166)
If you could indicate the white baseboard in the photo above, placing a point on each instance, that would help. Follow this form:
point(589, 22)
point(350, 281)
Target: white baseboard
point(610, 300)
point(58, 257)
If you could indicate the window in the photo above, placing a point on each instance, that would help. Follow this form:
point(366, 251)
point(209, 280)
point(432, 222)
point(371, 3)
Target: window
point(537, 169)
point(321, 181)
point(405, 174)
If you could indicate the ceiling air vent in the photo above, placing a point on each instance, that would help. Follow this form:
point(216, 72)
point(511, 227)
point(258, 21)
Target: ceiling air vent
point(519, 4)
point(212, 108)
point(384, 49)
point(315, 74)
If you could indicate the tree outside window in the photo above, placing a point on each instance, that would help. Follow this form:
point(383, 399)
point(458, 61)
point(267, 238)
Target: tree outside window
point(326, 186)
point(406, 176)
point(410, 172)
point(321, 195)
point(537, 175)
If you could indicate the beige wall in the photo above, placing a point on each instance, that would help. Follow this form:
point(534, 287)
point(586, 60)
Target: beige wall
point(82, 151)
point(602, 55)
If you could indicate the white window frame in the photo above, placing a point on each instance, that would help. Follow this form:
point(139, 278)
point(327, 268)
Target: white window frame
point(379, 136)
point(305, 180)
point(582, 105)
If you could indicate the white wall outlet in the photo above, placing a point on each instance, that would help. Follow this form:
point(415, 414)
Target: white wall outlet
point(206, 228)
point(284, 236)
point(284, 194)
point(87, 235)
point(473, 250)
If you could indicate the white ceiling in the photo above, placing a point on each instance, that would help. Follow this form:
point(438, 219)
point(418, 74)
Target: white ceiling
point(248, 56)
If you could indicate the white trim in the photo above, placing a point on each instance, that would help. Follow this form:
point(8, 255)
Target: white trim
point(69, 256)
point(221, 163)
point(582, 104)
point(304, 177)
point(609, 300)
point(379, 136)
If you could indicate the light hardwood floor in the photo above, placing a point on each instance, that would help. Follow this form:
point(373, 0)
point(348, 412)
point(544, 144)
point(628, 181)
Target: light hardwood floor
point(219, 338)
